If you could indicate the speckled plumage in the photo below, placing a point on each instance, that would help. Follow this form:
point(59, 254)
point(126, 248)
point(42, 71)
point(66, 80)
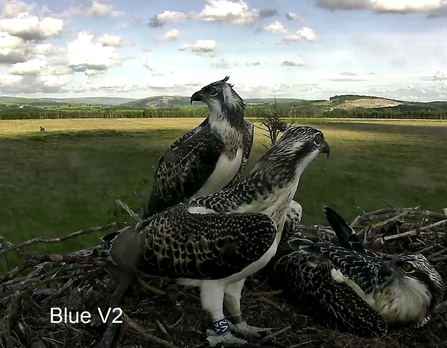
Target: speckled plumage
point(400, 291)
point(185, 170)
point(311, 282)
point(216, 241)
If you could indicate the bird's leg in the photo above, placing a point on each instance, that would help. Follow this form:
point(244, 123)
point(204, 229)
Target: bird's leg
point(232, 299)
point(212, 296)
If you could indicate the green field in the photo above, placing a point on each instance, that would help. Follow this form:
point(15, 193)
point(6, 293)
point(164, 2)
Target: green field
point(68, 178)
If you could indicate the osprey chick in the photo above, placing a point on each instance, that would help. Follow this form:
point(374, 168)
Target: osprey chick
point(350, 288)
point(207, 158)
point(215, 242)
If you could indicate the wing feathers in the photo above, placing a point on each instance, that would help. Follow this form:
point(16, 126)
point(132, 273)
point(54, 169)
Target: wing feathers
point(307, 281)
point(181, 175)
point(180, 244)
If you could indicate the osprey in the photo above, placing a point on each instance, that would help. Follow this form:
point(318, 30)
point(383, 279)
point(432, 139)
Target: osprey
point(209, 157)
point(351, 288)
point(215, 242)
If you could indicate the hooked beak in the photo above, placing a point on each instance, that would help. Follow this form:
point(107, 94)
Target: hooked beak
point(197, 96)
point(325, 148)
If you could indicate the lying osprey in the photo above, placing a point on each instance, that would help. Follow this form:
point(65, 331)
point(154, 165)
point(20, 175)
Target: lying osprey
point(207, 158)
point(350, 288)
point(215, 242)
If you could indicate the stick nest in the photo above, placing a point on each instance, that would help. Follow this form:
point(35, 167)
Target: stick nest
point(158, 313)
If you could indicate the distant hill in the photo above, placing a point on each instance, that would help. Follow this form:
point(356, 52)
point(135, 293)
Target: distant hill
point(347, 102)
point(166, 100)
point(159, 101)
point(9, 101)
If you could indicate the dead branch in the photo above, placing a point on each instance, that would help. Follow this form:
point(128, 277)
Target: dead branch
point(134, 215)
point(154, 339)
point(58, 239)
point(382, 240)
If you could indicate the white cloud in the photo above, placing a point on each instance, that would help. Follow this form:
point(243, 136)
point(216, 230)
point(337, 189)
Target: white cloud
point(110, 40)
point(232, 11)
point(17, 84)
point(293, 62)
point(7, 80)
point(172, 35)
point(205, 47)
point(91, 58)
point(219, 11)
point(12, 49)
point(304, 33)
point(29, 67)
point(440, 76)
point(160, 20)
point(55, 80)
point(13, 8)
point(47, 49)
point(99, 9)
point(276, 28)
point(223, 64)
point(107, 85)
point(29, 27)
point(290, 16)
point(432, 7)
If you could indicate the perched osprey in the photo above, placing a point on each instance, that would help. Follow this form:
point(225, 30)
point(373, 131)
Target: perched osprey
point(216, 241)
point(350, 288)
point(209, 157)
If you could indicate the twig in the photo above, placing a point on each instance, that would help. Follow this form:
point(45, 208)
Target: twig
point(384, 239)
point(8, 244)
point(274, 334)
point(151, 288)
point(154, 339)
point(129, 211)
point(52, 258)
point(265, 293)
point(166, 335)
point(387, 224)
point(367, 216)
point(58, 239)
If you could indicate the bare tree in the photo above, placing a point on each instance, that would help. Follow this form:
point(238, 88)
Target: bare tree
point(272, 122)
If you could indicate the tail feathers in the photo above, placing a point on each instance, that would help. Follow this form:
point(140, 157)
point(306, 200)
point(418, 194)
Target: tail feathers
point(346, 235)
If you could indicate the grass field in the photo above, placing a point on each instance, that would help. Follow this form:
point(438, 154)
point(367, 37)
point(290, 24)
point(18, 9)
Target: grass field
point(68, 178)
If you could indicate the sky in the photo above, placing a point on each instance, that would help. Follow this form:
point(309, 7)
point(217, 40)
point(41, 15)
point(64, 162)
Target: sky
point(307, 49)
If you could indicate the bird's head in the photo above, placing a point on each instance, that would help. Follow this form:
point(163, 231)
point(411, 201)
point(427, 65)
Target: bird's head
point(297, 147)
point(414, 273)
point(221, 98)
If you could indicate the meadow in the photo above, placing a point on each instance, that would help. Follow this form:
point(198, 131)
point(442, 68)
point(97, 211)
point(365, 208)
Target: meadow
point(68, 177)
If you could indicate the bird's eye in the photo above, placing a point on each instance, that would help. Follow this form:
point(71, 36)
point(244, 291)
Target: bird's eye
point(318, 139)
point(212, 91)
point(407, 267)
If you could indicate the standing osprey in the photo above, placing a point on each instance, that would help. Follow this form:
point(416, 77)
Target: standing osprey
point(350, 288)
point(209, 157)
point(215, 242)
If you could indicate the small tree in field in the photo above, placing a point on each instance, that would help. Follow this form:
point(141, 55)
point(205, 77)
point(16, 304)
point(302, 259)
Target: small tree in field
point(273, 122)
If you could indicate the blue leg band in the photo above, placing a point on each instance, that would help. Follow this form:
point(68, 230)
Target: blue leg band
point(221, 326)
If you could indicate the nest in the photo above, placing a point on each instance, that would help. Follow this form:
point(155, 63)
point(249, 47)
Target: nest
point(157, 313)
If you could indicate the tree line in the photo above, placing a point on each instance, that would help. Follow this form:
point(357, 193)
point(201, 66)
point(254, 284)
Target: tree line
point(286, 111)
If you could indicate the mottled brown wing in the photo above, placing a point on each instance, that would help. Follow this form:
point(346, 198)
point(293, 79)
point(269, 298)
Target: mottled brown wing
point(306, 281)
point(179, 244)
point(183, 170)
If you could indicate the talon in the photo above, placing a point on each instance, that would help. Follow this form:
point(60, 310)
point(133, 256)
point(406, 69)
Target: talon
point(227, 338)
point(247, 330)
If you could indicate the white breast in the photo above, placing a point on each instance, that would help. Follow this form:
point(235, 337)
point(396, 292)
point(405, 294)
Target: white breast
point(224, 172)
point(403, 302)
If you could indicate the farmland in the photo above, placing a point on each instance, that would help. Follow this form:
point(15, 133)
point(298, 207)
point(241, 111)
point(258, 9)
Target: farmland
point(68, 177)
